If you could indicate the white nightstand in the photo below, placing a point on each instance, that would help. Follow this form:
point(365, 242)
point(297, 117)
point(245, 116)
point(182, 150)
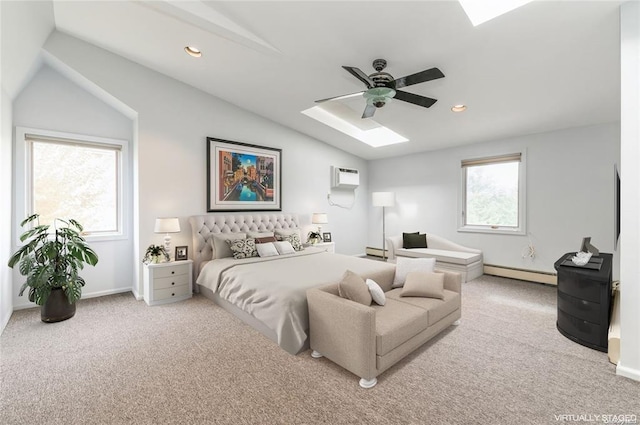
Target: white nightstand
point(167, 282)
point(328, 246)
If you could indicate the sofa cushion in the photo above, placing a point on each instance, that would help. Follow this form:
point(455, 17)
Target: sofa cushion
point(354, 288)
point(396, 323)
point(421, 284)
point(437, 309)
point(441, 255)
point(407, 265)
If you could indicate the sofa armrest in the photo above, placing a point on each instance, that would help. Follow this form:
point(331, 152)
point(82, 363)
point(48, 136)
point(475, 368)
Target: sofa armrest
point(438, 242)
point(343, 331)
point(452, 280)
point(393, 243)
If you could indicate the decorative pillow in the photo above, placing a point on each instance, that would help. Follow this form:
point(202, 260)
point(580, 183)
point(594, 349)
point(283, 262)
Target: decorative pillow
point(280, 233)
point(284, 247)
point(219, 244)
point(405, 236)
point(376, 292)
point(354, 288)
point(256, 235)
point(415, 241)
point(266, 239)
point(267, 249)
point(406, 265)
point(243, 248)
point(294, 240)
point(421, 284)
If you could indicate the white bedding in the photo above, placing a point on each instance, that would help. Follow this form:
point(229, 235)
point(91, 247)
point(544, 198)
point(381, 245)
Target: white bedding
point(273, 289)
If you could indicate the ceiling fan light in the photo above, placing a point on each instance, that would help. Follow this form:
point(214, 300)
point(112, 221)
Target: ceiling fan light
point(377, 92)
point(459, 108)
point(193, 51)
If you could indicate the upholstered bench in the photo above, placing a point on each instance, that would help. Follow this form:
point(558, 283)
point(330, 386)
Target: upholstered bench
point(449, 255)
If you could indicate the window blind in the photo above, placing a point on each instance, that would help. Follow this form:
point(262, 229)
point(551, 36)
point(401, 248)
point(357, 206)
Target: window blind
point(513, 157)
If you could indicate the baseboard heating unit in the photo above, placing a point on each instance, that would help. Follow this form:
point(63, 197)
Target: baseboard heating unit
point(529, 275)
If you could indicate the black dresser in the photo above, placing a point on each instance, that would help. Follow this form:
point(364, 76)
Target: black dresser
point(584, 301)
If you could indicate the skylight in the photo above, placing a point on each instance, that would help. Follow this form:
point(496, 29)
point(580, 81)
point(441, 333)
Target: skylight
point(347, 121)
point(480, 11)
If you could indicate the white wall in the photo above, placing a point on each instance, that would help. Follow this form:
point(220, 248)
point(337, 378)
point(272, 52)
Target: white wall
point(629, 364)
point(52, 102)
point(173, 122)
point(6, 281)
point(427, 190)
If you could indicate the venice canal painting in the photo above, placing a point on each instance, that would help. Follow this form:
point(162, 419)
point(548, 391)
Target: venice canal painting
point(244, 177)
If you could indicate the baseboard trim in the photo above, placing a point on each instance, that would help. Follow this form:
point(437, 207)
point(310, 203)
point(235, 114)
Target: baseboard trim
point(5, 321)
point(628, 372)
point(521, 274)
point(87, 295)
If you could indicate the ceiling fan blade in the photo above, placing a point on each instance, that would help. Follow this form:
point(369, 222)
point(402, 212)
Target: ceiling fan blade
point(416, 99)
point(360, 76)
point(369, 111)
point(344, 96)
point(419, 77)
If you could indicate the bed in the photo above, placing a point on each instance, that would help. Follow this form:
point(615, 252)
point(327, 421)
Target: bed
point(269, 293)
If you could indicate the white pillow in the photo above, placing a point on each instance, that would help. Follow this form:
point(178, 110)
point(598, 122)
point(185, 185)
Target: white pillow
point(267, 249)
point(279, 233)
point(252, 234)
point(406, 265)
point(284, 247)
point(221, 247)
point(376, 292)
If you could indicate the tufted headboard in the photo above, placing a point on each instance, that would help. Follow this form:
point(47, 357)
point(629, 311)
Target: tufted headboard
point(204, 226)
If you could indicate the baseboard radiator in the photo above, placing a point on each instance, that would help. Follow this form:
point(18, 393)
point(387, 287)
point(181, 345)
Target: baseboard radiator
point(521, 274)
point(375, 252)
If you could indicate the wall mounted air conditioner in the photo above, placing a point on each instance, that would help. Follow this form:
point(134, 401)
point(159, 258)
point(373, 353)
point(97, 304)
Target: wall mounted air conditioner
point(346, 178)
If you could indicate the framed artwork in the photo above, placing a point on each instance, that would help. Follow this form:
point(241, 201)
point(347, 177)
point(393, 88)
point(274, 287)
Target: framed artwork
point(326, 237)
point(181, 253)
point(243, 177)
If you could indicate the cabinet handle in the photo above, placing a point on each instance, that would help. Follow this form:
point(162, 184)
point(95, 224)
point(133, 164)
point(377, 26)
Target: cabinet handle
point(173, 272)
point(173, 283)
point(173, 295)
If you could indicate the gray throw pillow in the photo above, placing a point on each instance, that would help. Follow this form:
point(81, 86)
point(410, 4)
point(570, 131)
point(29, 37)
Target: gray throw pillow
point(415, 241)
point(421, 284)
point(405, 238)
point(354, 288)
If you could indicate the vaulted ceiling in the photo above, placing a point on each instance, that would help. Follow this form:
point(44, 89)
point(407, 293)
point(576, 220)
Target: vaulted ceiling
point(545, 66)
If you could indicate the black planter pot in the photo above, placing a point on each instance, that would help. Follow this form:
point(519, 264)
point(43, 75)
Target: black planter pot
point(57, 307)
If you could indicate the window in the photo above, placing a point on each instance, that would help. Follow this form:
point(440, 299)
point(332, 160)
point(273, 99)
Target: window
point(77, 177)
point(493, 194)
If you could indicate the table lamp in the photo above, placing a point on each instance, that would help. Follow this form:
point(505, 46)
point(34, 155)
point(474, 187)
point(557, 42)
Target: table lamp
point(167, 225)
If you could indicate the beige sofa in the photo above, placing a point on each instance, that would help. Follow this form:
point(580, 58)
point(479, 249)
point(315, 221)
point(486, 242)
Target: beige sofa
point(367, 340)
point(449, 255)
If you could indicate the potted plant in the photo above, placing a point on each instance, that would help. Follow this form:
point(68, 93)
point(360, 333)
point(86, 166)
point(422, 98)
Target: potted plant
point(314, 237)
point(50, 260)
point(155, 254)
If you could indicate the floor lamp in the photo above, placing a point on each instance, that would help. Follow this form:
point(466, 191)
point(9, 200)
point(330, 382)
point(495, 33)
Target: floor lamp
point(383, 199)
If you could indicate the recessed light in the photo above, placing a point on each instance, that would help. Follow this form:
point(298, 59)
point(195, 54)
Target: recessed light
point(459, 108)
point(193, 51)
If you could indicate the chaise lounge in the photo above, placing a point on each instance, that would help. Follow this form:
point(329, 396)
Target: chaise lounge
point(449, 255)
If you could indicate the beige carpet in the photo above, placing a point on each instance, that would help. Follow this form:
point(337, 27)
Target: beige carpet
point(121, 362)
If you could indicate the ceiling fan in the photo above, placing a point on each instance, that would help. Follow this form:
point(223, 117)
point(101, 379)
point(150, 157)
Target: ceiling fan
point(381, 87)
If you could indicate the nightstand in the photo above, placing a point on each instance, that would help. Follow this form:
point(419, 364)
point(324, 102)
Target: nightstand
point(167, 282)
point(328, 246)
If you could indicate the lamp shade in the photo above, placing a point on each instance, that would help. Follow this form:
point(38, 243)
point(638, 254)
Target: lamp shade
point(383, 199)
point(319, 218)
point(167, 225)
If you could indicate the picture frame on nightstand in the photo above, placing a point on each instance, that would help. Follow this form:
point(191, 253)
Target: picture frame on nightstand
point(182, 253)
point(326, 237)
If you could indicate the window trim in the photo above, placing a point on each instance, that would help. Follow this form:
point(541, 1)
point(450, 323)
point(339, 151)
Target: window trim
point(24, 174)
point(521, 229)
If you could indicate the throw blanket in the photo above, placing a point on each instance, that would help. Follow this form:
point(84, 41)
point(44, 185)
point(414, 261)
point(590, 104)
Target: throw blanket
point(273, 289)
